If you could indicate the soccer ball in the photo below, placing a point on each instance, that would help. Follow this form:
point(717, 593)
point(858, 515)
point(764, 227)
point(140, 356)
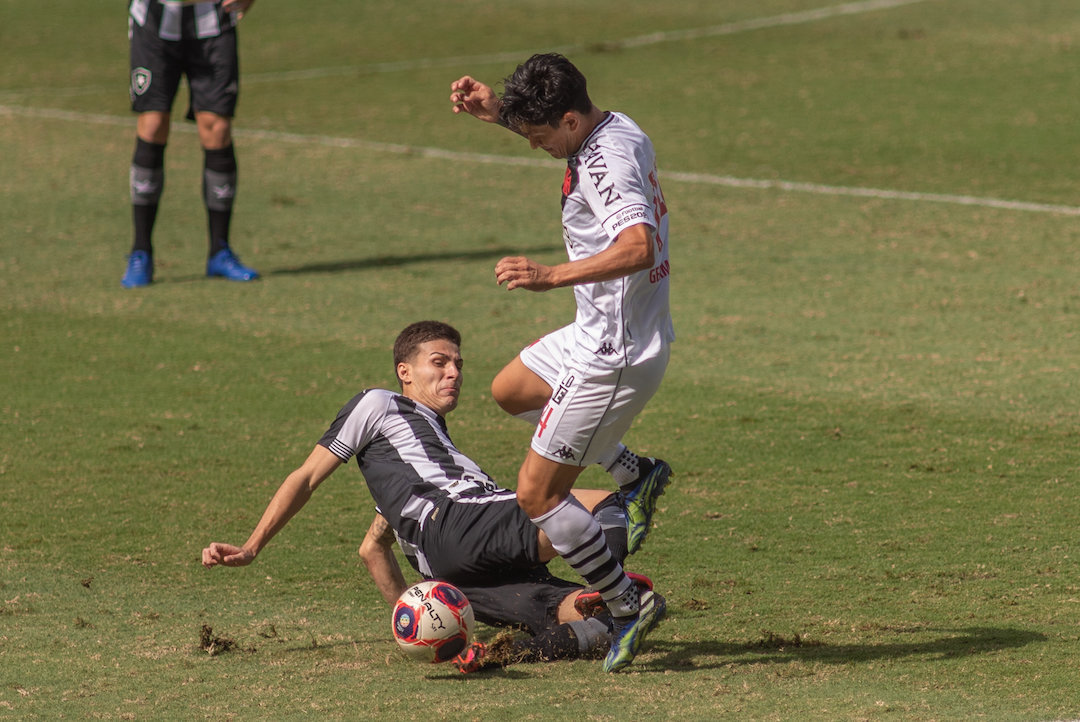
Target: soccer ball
point(433, 621)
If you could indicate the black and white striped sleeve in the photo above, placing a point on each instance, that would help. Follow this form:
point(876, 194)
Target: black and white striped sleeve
point(356, 424)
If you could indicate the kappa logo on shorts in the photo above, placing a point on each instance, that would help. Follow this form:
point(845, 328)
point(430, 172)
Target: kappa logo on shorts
point(140, 80)
point(606, 349)
point(565, 452)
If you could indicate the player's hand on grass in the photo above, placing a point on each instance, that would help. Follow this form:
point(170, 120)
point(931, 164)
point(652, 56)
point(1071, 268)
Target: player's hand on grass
point(226, 555)
point(521, 272)
point(473, 97)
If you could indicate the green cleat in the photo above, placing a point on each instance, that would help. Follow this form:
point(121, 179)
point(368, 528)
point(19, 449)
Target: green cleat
point(627, 636)
point(641, 501)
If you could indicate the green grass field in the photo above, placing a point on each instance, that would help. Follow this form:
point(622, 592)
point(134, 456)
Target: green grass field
point(872, 407)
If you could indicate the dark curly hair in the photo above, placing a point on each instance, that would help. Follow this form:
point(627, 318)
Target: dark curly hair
point(543, 89)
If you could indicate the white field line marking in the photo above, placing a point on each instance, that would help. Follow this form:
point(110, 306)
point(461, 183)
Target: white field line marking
point(520, 161)
point(774, 21)
point(878, 193)
point(732, 28)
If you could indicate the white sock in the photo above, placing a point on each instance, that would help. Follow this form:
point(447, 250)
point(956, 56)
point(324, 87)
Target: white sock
point(579, 540)
point(625, 467)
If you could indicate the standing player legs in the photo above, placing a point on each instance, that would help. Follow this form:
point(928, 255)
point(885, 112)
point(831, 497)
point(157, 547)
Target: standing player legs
point(219, 190)
point(147, 179)
point(522, 390)
point(219, 175)
point(543, 493)
point(213, 72)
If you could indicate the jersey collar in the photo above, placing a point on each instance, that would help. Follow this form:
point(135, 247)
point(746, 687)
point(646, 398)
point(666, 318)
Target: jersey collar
point(599, 126)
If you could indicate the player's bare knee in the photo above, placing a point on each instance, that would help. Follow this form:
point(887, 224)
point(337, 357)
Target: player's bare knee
point(534, 500)
point(529, 503)
point(153, 127)
point(215, 131)
point(537, 499)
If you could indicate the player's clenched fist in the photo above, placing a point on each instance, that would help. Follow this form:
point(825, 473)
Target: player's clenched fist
point(226, 555)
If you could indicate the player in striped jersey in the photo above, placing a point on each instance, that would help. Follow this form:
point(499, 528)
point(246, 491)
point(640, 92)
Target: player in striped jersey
point(169, 39)
point(451, 519)
point(560, 619)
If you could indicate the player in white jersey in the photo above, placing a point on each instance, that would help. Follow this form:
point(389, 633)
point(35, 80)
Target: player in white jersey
point(583, 385)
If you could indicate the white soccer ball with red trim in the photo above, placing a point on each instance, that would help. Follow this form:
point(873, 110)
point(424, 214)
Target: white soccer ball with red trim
point(433, 621)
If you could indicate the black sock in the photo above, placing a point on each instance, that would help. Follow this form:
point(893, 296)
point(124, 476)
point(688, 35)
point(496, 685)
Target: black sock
point(143, 218)
point(611, 516)
point(557, 643)
point(147, 184)
point(219, 189)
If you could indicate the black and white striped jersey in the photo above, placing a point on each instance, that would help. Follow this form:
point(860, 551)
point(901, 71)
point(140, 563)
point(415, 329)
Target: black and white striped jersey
point(408, 461)
point(203, 19)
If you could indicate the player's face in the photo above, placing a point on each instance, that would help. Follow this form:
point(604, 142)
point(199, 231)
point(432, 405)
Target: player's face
point(433, 376)
point(560, 141)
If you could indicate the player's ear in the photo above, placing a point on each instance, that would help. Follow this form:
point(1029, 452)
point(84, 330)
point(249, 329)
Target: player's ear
point(404, 373)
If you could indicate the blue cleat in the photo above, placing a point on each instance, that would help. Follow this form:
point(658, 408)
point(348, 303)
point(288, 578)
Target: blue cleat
point(640, 501)
point(627, 636)
point(140, 270)
point(226, 265)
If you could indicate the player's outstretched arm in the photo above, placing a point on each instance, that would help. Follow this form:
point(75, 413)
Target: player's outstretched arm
point(469, 95)
point(377, 552)
point(289, 499)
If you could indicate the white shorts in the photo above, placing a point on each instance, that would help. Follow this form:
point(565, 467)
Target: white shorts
point(590, 409)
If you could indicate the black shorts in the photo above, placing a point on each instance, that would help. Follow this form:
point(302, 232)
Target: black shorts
point(481, 542)
point(211, 65)
point(530, 602)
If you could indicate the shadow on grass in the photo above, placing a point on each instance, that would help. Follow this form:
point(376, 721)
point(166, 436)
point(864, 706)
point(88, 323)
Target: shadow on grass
point(663, 656)
point(948, 644)
point(374, 262)
point(391, 261)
